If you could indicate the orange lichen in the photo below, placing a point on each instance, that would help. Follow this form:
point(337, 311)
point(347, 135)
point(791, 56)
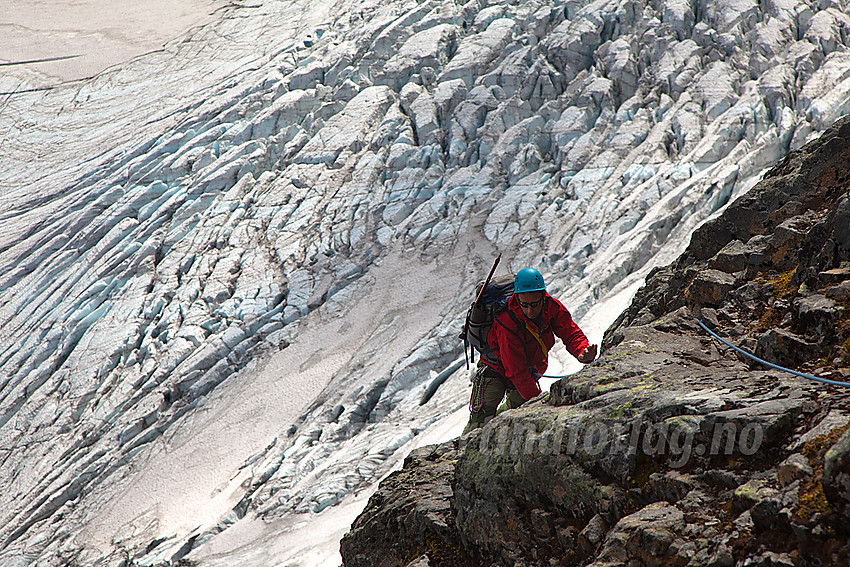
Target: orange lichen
point(780, 286)
point(812, 500)
point(442, 553)
point(770, 319)
point(812, 497)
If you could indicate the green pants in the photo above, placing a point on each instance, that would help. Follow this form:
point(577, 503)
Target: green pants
point(488, 391)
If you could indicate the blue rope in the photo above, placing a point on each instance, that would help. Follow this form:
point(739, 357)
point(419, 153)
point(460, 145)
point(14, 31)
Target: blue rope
point(566, 375)
point(770, 364)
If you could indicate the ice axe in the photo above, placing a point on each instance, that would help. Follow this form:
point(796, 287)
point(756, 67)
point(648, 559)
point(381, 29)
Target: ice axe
point(487, 281)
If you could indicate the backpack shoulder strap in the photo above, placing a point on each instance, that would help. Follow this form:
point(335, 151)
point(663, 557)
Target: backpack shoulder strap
point(513, 331)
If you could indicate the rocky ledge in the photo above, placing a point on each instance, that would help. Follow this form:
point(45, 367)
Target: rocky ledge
point(671, 449)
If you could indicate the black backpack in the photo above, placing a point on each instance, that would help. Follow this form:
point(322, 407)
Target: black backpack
point(481, 315)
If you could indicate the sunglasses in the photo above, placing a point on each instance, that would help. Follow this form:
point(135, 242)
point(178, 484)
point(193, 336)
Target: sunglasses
point(530, 305)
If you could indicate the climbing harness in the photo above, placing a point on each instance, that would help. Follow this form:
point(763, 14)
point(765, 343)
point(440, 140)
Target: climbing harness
point(770, 364)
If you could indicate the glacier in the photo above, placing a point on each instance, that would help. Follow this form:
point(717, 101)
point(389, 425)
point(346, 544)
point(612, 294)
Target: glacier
point(233, 271)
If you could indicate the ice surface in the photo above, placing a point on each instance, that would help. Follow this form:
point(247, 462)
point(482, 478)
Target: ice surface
point(232, 270)
point(77, 40)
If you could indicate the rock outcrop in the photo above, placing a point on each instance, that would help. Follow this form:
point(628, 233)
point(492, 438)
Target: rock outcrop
point(276, 220)
point(671, 449)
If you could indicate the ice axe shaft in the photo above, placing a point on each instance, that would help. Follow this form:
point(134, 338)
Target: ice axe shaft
point(487, 281)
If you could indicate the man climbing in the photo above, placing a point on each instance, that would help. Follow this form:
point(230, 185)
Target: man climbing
point(521, 337)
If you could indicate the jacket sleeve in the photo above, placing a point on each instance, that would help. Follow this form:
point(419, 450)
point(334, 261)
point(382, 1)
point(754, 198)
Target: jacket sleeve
point(512, 354)
point(567, 330)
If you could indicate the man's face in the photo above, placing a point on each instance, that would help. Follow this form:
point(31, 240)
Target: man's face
point(531, 303)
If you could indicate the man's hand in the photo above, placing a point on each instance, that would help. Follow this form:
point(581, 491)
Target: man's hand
point(588, 354)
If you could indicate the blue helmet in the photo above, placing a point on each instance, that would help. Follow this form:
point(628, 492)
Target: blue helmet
point(528, 279)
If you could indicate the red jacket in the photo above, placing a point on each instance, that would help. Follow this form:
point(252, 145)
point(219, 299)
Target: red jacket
point(520, 353)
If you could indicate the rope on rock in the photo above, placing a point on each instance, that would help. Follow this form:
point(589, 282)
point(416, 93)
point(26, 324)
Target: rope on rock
point(770, 364)
point(566, 375)
point(745, 353)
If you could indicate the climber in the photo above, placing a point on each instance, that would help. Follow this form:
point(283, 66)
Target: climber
point(522, 336)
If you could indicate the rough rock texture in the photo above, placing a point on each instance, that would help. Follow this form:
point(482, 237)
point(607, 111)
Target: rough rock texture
point(768, 272)
point(414, 504)
point(669, 449)
point(322, 183)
